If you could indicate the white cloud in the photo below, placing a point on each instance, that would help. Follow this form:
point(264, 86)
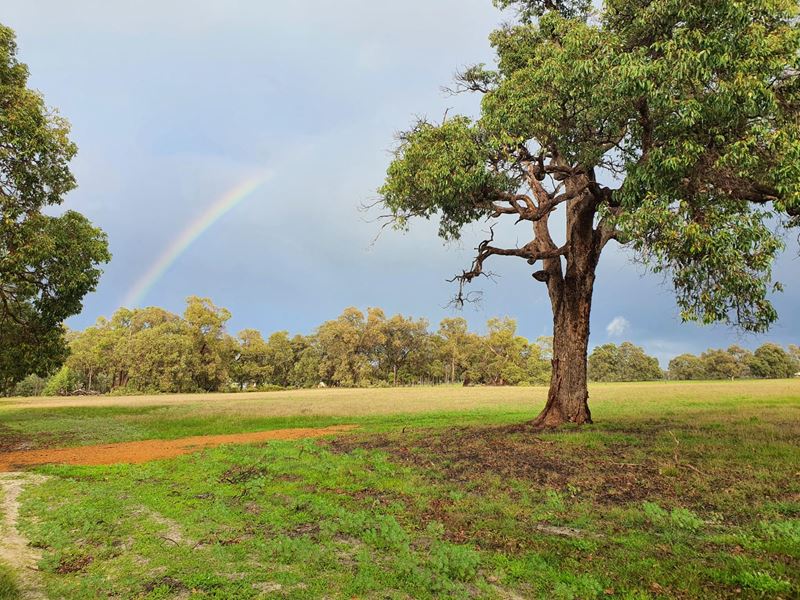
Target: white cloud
point(618, 326)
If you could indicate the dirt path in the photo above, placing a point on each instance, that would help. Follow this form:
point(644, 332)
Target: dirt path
point(147, 450)
point(14, 548)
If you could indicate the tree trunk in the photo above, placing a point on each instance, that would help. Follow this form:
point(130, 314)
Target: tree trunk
point(570, 290)
point(568, 397)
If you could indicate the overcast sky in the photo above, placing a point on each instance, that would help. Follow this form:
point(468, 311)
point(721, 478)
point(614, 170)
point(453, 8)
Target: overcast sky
point(174, 103)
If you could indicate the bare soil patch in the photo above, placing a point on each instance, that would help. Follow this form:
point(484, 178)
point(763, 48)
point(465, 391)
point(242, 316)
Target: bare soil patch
point(14, 548)
point(147, 450)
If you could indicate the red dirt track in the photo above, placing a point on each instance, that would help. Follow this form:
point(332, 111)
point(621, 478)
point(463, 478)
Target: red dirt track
point(147, 450)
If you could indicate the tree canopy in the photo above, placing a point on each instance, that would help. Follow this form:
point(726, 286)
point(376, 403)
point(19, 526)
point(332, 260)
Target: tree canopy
point(689, 107)
point(47, 263)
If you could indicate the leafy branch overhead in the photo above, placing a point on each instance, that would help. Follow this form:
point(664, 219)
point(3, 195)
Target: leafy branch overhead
point(671, 127)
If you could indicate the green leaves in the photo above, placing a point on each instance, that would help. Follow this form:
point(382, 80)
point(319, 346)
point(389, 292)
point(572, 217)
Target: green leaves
point(625, 362)
point(443, 170)
point(720, 136)
point(719, 256)
point(47, 264)
point(34, 147)
point(559, 89)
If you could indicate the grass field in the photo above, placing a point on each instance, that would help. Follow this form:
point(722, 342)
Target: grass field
point(681, 490)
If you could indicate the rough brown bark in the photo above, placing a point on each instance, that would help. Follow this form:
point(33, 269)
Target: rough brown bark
point(568, 397)
point(570, 286)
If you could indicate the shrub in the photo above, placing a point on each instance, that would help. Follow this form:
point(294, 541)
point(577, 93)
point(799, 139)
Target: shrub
point(32, 385)
point(62, 383)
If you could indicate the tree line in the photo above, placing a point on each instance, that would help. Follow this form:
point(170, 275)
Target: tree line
point(152, 350)
point(628, 362)
point(769, 361)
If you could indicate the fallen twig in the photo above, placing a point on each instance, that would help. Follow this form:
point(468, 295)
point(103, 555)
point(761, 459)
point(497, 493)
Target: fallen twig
point(169, 539)
point(676, 457)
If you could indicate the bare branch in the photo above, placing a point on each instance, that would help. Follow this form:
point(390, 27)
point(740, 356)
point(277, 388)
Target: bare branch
point(529, 252)
point(473, 79)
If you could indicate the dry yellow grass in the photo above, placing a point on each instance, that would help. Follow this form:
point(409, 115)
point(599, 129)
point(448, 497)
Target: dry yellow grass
point(413, 400)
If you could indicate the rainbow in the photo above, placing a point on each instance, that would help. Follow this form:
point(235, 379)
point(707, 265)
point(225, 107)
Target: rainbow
point(189, 235)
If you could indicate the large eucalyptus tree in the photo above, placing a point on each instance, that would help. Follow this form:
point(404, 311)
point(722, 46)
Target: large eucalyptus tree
point(668, 126)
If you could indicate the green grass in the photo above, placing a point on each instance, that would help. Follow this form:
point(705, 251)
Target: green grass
point(8, 584)
point(691, 492)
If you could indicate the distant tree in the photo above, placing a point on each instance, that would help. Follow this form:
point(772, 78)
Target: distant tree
point(91, 355)
point(505, 353)
point(63, 383)
point(95, 352)
point(603, 363)
point(249, 364)
point(402, 339)
point(625, 362)
point(424, 364)
point(770, 361)
point(165, 358)
point(670, 127)
point(454, 333)
point(720, 364)
point(686, 367)
point(154, 350)
point(638, 366)
point(743, 358)
point(306, 369)
point(280, 359)
point(545, 342)
point(794, 352)
point(348, 347)
point(538, 363)
point(212, 345)
point(32, 385)
point(151, 349)
point(47, 263)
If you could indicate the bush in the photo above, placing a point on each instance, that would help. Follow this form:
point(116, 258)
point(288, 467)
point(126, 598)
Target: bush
point(62, 383)
point(270, 387)
point(32, 385)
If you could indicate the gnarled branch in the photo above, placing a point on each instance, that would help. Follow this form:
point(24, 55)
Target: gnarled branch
point(530, 252)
